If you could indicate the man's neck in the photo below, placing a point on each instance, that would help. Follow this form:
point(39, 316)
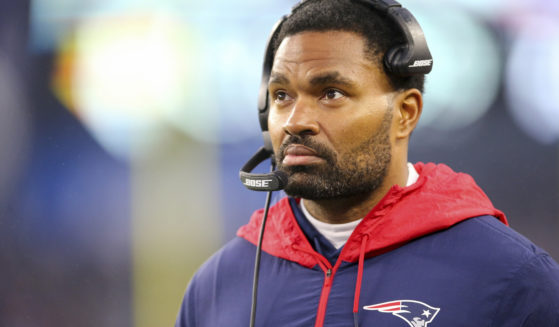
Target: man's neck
point(344, 210)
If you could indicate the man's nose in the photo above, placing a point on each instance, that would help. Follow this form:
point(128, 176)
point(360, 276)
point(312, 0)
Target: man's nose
point(302, 119)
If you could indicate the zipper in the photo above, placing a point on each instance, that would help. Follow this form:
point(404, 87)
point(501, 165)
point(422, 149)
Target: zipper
point(326, 287)
point(329, 273)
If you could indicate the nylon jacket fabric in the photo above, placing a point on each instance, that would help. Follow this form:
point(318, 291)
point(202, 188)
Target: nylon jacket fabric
point(436, 253)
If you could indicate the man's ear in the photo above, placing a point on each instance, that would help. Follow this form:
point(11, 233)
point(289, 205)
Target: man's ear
point(408, 107)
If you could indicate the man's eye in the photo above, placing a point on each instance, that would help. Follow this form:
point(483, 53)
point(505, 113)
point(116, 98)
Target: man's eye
point(333, 94)
point(280, 96)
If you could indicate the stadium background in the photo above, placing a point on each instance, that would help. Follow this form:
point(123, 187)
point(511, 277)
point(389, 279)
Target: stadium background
point(123, 124)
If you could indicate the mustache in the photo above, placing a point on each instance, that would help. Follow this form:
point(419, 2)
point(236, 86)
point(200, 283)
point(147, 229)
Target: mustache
point(321, 150)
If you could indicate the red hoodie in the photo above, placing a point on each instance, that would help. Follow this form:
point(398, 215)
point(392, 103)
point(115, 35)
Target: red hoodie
point(439, 199)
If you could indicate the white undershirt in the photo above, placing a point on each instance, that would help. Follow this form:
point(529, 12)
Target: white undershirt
point(338, 234)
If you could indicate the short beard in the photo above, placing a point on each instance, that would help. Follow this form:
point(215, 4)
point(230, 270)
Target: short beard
point(360, 171)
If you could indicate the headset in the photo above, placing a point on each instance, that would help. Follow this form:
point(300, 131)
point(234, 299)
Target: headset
point(410, 58)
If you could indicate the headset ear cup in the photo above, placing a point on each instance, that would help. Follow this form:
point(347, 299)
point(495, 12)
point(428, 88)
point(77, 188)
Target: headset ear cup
point(393, 59)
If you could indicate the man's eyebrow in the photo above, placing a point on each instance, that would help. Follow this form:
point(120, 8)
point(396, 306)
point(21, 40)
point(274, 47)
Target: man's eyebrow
point(331, 78)
point(322, 79)
point(277, 78)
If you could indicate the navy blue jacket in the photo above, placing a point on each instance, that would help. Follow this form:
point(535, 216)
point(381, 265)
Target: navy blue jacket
point(433, 254)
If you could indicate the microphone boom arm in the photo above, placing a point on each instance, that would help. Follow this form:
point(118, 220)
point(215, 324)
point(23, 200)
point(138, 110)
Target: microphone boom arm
point(274, 181)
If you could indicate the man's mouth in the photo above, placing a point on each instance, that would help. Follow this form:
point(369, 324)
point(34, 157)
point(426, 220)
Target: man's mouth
point(300, 155)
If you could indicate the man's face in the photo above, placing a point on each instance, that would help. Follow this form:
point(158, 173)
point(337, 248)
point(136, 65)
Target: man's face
point(330, 115)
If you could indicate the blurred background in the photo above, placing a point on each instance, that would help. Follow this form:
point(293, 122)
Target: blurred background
point(123, 124)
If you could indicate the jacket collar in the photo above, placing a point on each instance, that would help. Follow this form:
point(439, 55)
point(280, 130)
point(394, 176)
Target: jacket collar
point(439, 199)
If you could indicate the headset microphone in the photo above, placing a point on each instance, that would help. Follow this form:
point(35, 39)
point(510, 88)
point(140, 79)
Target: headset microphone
point(273, 181)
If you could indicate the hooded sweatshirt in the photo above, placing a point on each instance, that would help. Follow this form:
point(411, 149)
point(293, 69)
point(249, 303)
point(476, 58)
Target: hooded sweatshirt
point(436, 253)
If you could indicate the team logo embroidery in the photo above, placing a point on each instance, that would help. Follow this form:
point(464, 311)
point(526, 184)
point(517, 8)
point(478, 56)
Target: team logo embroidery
point(415, 313)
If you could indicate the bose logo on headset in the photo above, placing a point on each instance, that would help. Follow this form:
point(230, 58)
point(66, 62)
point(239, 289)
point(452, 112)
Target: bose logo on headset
point(422, 63)
point(257, 182)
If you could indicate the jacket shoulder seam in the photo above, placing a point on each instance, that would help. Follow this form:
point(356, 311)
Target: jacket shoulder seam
point(514, 240)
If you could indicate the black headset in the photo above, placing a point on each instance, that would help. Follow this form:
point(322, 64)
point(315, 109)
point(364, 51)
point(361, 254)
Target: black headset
point(410, 58)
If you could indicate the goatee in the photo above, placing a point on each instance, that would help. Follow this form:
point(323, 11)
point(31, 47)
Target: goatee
point(360, 170)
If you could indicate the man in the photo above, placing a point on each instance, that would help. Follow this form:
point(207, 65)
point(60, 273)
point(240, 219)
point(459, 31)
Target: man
point(365, 238)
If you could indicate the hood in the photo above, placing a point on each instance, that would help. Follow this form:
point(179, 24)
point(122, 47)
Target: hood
point(439, 199)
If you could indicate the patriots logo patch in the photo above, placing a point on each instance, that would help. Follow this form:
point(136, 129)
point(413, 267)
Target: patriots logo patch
point(415, 313)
